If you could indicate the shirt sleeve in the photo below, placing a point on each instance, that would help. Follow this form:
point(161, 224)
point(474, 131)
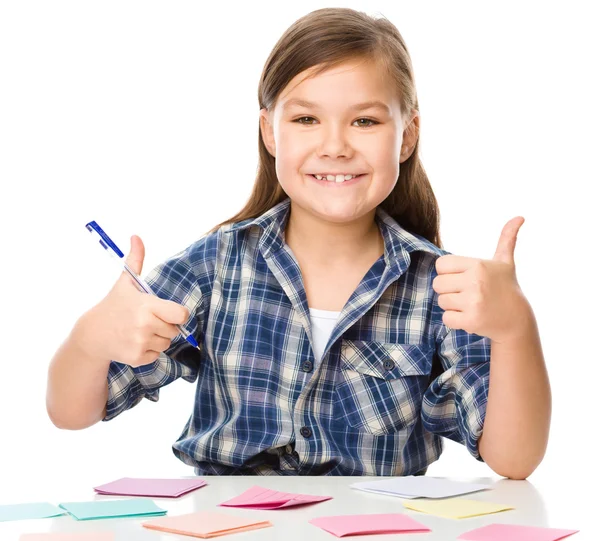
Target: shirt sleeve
point(186, 279)
point(455, 402)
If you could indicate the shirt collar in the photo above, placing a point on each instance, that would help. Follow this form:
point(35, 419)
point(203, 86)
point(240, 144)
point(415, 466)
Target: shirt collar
point(398, 242)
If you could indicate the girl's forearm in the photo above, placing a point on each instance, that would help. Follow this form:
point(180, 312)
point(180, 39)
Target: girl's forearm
point(517, 421)
point(77, 383)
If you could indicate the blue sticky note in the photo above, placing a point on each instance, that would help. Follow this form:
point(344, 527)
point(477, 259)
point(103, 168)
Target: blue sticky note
point(28, 511)
point(135, 507)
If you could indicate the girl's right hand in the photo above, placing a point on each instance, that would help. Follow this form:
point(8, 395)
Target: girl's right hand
point(130, 326)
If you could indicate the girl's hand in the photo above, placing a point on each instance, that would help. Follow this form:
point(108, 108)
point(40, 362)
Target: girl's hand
point(127, 325)
point(482, 296)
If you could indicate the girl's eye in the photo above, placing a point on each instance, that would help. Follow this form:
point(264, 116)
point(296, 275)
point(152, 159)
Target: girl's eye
point(373, 122)
point(302, 118)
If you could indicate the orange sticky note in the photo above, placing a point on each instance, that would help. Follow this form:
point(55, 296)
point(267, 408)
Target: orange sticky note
point(205, 524)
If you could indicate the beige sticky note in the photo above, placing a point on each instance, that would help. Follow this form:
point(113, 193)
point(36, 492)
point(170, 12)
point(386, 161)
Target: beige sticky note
point(455, 507)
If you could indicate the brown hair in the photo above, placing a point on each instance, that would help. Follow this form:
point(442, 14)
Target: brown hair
point(327, 38)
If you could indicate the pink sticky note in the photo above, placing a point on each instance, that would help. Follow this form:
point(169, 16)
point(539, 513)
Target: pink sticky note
point(205, 524)
point(343, 525)
point(71, 536)
point(157, 488)
point(263, 498)
point(501, 532)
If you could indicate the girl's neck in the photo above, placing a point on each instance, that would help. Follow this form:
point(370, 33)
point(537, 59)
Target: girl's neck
point(326, 243)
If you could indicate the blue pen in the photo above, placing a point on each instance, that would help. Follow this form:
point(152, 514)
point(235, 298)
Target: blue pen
point(113, 250)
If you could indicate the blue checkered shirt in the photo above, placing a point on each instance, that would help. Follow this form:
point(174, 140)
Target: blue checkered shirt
point(393, 379)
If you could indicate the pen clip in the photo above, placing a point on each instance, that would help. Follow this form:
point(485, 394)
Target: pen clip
point(104, 240)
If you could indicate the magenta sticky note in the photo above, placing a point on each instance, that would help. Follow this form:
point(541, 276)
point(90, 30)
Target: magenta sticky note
point(343, 525)
point(156, 488)
point(263, 498)
point(501, 532)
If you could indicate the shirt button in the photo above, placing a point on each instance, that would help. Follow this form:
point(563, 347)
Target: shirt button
point(306, 432)
point(288, 449)
point(388, 364)
point(307, 366)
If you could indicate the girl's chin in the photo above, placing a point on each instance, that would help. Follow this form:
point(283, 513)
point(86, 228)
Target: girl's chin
point(342, 212)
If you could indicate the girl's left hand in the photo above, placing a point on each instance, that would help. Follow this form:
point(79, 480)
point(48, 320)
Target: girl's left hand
point(482, 296)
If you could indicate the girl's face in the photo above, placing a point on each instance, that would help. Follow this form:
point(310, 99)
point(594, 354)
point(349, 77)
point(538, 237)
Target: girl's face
point(331, 133)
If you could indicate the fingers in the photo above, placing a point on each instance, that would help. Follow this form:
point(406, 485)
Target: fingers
point(165, 330)
point(448, 283)
point(171, 312)
point(158, 343)
point(148, 358)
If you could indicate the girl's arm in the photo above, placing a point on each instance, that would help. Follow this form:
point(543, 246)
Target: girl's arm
point(77, 388)
point(517, 420)
point(483, 297)
point(128, 346)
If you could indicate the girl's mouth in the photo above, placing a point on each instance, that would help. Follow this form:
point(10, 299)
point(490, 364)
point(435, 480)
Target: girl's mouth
point(334, 184)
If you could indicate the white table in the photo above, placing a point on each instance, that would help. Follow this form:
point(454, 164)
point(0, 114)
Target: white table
point(532, 508)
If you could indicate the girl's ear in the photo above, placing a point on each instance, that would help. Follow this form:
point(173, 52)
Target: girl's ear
point(266, 131)
point(410, 137)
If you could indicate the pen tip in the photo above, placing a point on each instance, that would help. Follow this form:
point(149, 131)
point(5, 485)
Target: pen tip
point(198, 348)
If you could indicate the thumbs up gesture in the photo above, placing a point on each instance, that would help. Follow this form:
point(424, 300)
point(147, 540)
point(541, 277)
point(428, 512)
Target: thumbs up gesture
point(128, 325)
point(482, 296)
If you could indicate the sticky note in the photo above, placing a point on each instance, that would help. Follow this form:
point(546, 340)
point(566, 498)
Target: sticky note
point(343, 525)
point(135, 507)
point(263, 498)
point(501, 532)
point(158, 488)
point(419, 486)
point(28, 511)
point(455, 507)
point(205, 524)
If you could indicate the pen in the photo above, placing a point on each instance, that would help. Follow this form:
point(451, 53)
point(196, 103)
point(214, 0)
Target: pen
point(113, 250)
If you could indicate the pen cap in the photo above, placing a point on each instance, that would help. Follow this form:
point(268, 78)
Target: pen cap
point(105, 241)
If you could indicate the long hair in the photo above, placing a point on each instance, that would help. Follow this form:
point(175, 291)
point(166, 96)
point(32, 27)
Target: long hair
point(327, 38)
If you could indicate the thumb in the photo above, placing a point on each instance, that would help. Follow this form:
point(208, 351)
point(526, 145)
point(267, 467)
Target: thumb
point(505, 251)
point(135, 258)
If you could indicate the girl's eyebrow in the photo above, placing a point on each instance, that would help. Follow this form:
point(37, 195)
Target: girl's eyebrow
point(375, 104)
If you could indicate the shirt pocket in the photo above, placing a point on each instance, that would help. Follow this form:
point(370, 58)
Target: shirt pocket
point(380, 385)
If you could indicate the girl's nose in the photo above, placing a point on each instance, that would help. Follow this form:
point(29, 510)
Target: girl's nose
point(334, 143)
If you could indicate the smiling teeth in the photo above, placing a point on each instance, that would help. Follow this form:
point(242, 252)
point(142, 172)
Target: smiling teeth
point(336, 178)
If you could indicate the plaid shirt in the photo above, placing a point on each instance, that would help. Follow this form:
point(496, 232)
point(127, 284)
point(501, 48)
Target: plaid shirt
point(392, 382)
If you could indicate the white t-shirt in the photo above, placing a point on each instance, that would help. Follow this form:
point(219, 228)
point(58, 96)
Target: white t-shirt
point(323, 322)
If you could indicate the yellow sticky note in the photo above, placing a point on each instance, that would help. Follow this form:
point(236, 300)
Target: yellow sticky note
point(455, 507)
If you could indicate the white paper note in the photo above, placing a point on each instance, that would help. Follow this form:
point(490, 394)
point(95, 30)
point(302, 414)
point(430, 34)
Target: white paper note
point(419, 486)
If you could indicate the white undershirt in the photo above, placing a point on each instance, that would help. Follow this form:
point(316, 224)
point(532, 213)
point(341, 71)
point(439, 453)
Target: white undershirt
point(323, 322)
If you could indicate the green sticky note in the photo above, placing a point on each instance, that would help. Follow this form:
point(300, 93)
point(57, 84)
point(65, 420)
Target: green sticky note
point(136, 507)
point(28, 511)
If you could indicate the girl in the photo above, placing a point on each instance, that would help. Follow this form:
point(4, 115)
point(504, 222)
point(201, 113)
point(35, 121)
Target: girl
point(336, 335)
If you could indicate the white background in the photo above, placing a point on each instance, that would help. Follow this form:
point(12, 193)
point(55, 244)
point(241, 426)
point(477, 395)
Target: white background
point(144, 117)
